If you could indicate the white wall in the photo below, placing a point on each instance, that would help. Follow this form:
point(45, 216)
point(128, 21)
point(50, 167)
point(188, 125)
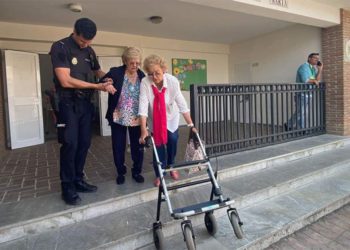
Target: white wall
point(36, 38)
point(273, 57)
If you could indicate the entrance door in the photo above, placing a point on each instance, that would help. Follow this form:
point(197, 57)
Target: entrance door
point(24, 108)
point(106, 63)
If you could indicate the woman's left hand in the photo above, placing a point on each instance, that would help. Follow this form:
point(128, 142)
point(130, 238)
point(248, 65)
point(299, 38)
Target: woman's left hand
point(144, 134)
point(194, 129)
point(110, 89)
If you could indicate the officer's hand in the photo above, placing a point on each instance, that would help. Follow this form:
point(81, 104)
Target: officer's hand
point(107, 86)
point(110, 89)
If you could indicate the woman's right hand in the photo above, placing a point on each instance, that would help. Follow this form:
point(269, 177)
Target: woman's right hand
point(143, 136)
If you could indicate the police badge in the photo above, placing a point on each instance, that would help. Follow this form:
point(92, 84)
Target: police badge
point(74, 61)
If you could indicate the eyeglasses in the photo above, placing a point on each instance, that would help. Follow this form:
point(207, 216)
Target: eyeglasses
point(134, 63)
point(155, 74)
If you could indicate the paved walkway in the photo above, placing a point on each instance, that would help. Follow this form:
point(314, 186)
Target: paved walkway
point(330, 232)
point(34, 171)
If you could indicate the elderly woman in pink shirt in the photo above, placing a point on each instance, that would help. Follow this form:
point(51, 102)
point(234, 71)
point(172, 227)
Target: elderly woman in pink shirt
point(160, 93)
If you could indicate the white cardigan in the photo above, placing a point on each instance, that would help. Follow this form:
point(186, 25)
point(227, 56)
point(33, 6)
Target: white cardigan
point(174, 101)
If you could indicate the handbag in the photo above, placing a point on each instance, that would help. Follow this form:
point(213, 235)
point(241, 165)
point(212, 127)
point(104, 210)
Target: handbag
point(194, 152)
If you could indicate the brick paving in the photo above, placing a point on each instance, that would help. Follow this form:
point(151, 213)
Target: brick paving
point(34, 171)
point(29, 172)
point(330, 232)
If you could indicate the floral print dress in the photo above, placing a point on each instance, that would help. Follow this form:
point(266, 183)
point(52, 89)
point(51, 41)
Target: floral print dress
point(126, 112)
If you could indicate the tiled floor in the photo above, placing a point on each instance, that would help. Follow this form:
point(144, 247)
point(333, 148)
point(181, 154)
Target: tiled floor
point(34, 171)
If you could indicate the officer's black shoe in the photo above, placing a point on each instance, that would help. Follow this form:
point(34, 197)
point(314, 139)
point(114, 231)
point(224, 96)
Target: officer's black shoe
point(84, 187)
point(71, 198)
point(138, 178)
point(120, 179)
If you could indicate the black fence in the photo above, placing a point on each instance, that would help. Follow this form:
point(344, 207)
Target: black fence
point(234, 118)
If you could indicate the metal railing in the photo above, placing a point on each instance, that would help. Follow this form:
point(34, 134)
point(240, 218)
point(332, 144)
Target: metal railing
point(234, 118)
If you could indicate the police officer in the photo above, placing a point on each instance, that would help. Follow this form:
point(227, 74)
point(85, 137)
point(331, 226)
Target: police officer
point(75, 67)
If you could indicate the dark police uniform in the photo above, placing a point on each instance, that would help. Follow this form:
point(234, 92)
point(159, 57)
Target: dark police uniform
point(75, 108)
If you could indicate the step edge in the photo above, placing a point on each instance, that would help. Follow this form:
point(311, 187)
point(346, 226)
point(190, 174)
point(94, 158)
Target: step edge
point(297, 224)
point(129, 241)
point(76, 215)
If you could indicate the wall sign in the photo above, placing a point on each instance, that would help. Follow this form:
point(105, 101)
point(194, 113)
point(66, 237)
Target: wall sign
point(189, 71)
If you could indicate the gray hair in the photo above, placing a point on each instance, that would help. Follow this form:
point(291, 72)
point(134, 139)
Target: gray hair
point(131, 53)
point(154, 60)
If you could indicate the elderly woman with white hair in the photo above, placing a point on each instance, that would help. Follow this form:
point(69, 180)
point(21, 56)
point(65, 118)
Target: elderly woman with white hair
point(160, 93)
point(122, 113)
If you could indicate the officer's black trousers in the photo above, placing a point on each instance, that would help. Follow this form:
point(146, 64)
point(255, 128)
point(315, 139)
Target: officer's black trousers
point(119, 144)
point(76, 138)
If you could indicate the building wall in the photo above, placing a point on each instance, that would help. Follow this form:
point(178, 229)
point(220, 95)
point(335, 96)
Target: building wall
point(38, 39)
point(2, 113)
point(345, 15)
point(336, 47)
point(273, 57)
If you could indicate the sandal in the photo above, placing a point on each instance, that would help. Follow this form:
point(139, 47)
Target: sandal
point(156, 182)
point(175, 175)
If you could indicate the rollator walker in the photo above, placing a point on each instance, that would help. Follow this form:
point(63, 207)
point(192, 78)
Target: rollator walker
point(216, 201)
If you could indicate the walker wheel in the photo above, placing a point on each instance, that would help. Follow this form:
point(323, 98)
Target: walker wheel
point(158, 238)
point(189, 237)
point(210, 223)
point(236, 225)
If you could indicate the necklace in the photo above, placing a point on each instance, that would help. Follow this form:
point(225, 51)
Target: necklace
point(131, 87)
point(131, 77)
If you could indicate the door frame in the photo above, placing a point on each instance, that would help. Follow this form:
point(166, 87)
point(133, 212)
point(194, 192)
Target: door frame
point(6, 114)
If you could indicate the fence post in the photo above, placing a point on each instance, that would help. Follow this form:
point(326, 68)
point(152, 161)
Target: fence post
point(272, 100)
point(194, 104)
point(322, 88)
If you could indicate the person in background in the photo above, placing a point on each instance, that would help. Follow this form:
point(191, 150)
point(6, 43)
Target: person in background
point(122, 113)
point(75, 67)
point(161, 94)
point(308, 73)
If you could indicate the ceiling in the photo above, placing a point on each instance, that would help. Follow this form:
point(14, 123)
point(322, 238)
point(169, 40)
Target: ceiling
point(181, 20)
